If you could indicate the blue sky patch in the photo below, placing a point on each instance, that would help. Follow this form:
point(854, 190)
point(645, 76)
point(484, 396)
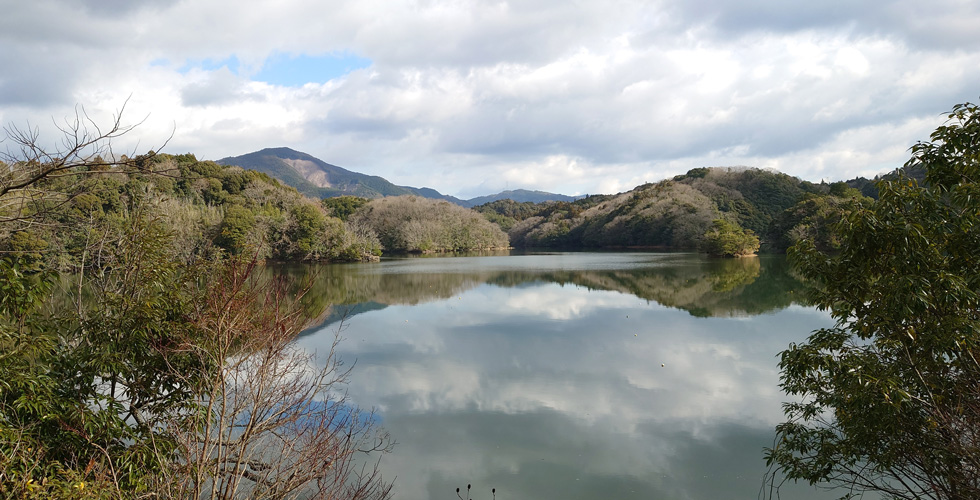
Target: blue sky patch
point(210, 65)
point(297, 70)
point(282, 69)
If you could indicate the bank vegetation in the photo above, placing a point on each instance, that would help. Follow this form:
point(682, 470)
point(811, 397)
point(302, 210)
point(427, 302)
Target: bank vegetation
point(142, 356)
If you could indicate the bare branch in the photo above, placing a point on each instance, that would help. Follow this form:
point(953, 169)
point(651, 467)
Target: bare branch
point(27, 165)
point(276, 422)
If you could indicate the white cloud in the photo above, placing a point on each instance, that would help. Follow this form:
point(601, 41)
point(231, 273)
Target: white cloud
point(470, 95)
point(429, 362)
point(626, 392)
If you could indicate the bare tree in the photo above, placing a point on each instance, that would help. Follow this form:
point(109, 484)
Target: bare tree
point(271, 421)
point(85, 148)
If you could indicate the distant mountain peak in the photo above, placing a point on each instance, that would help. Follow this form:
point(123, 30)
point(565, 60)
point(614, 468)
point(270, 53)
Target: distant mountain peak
point(287, 153)
point(520, 196)
point(317, 178)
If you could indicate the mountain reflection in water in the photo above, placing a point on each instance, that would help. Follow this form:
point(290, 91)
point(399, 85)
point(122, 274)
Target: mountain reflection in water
point(568, 375)
point(703, 287)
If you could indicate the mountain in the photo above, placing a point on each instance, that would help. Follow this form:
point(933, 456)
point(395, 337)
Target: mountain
point(520, 196)
point(317, 178)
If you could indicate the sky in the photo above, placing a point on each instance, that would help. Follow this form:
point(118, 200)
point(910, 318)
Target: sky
point(472, 97)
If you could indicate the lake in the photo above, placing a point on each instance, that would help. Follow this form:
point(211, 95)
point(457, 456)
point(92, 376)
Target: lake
point(569, 375)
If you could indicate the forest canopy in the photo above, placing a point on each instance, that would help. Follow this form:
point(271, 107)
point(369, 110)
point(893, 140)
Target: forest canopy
point(888, 399)
point(415, 224)
point(681, 213)
point(141, 355)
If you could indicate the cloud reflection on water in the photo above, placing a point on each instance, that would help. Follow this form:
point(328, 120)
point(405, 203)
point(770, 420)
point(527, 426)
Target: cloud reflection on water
point(553, 390)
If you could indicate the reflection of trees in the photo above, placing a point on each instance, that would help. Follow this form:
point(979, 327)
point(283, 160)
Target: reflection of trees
point(340, 284)
point(339, 291)
point(716, 287)
point(694, 288)
point(777, 287)
point(703, 287)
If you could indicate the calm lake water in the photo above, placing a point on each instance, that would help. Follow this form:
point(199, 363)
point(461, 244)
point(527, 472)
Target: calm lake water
point(569, 375)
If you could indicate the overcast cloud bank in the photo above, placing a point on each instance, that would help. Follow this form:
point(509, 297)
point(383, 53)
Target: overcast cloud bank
point(472, 97)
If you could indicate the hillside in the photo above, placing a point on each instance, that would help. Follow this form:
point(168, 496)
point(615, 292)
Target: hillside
point(317, 178)
point(671, 214)
point(520, 196)
point(775, 209)
point(207, 210)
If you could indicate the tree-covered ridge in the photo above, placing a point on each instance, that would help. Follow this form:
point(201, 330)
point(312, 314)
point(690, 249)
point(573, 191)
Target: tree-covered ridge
point(506, 213)
point(207, 207)
point(262, 216)
point(754, 207)
point(869, 187)
point(750, 196)
point(416, 224)
point(678, 213)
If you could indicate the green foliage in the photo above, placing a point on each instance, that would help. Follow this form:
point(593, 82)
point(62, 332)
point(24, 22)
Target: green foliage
point(25, 475)
point(842, 190)
point(502, 221)
point(507, 213)
point(108, 387)
point(207, 206)
point(107, 394)
point(889, 399)
point(670, 214)
point(77, 385)
point(414, 224)
point(726, 239)
point(309, 226)
point(236, 226)
point(664, 215)
point(26, 246)
point(25, 347)
point(814, 219)
point(123, 364)
point(342, 207)
point(694, 173)
point(511, 209)
point(753, 196)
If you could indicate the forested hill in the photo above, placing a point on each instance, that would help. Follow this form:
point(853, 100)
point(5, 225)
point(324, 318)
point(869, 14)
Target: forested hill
point(679, 213)
point(207, 209)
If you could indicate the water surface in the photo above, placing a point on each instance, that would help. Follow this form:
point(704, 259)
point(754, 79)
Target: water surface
point(569, 375)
